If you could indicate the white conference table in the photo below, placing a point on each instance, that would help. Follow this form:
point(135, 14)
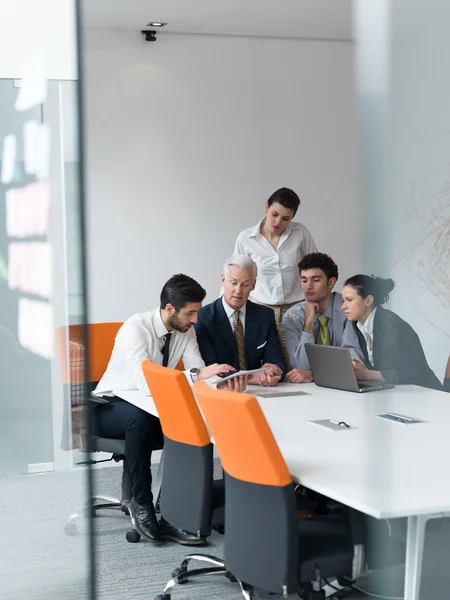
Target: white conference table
point(381, 468)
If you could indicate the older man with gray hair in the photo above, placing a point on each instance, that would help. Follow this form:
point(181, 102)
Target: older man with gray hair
point(238, 332)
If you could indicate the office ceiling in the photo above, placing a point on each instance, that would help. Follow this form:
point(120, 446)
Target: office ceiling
point(311, 19)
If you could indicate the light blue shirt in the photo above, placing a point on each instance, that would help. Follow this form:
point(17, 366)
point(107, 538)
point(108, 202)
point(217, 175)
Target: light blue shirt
point(296, 338)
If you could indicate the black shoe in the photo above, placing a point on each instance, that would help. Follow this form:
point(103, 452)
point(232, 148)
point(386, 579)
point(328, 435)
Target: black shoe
point(175, 534)
point(144, 520)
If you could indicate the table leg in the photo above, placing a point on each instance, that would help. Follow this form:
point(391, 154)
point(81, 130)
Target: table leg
point(157, 480)
point(414, 555)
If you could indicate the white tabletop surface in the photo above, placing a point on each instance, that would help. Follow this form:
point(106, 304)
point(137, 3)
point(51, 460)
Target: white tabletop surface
point(383, 468)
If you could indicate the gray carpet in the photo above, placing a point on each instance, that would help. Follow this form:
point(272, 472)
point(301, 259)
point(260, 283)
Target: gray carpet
point(38, 562)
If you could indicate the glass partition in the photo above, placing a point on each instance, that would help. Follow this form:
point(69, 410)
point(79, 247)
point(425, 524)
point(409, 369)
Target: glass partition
point(403, 97)
point(42, 429)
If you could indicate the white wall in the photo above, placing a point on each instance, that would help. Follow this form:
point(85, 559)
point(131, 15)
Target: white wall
point(187, 138)
point(47, 25)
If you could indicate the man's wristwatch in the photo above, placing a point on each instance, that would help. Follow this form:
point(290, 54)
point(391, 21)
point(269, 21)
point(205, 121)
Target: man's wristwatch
point(194, 374)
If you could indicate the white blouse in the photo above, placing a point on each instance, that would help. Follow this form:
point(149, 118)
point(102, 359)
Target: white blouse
point(278, 280)
point(367, 330)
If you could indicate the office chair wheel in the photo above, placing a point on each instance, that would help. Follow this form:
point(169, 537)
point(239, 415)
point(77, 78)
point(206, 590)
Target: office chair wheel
point(70, 528)
point(220, 529)
point(179, 571)
point(124, 508)
point(162, 597)
point(133, 536)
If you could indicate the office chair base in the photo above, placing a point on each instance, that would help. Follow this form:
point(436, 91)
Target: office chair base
point(182, 575)
point(97, 503)
point(185, 576)
point(179, 571)
point(246, 590)
point(208, 558)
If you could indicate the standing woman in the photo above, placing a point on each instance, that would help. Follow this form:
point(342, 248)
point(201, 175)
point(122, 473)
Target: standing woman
point(391, 347)
point(277, 244)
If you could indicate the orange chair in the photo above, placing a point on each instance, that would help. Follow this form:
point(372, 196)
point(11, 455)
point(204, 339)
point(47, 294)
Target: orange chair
point(89, 349)
point(266, 546)
point(98, 339)
point(190, 498)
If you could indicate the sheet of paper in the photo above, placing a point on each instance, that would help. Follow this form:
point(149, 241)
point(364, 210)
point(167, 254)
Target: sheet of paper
point(272, 393)
point(34, 84)
point(332, 425)
point(36, 329)
point(30, 267)
point(28, 210)
point(36, 139)
point(8, 158)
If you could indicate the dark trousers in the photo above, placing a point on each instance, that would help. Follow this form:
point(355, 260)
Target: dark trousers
point(142, 433)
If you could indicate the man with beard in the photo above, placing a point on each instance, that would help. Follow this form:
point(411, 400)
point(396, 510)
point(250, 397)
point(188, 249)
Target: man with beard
point(319, 320)
point(164, 336)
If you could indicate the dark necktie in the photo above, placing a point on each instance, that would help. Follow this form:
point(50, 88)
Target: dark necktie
point(240, 340)
point(165, 350)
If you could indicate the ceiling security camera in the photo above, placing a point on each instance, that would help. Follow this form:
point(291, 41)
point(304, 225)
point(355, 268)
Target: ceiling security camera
point(150, 36)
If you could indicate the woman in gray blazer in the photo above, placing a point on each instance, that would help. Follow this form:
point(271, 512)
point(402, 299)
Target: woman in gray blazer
point(391, 347)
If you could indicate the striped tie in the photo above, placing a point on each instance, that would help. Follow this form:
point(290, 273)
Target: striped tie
point(239, 337)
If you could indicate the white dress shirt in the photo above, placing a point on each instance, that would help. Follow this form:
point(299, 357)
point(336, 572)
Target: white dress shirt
point(141, 338)
point(367, 330)
point(230, 314)
point(278, 280)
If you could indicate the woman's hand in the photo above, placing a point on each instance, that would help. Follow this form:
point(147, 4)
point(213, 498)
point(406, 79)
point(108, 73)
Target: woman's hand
point(362, 373)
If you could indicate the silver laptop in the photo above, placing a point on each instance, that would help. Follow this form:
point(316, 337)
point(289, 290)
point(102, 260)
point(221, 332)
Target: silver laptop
point(332, 367)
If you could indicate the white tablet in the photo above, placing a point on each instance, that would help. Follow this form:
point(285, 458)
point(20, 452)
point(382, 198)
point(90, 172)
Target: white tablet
point(239, 373)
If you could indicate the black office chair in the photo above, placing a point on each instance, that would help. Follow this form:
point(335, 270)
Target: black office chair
point(116, 448)
point(266, 545)
point(81, 381)
point(190, 497)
